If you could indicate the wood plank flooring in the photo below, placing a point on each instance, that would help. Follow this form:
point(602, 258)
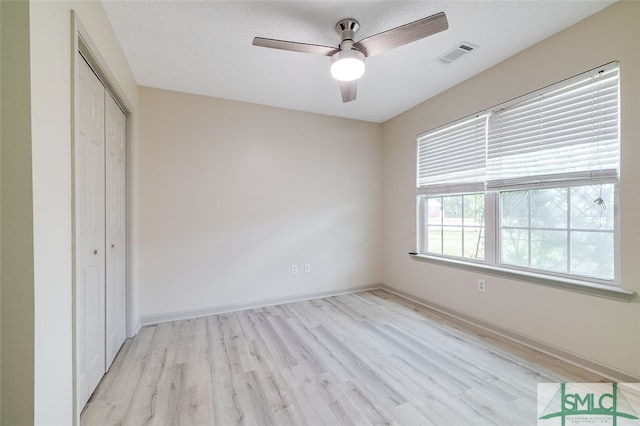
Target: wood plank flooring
point(356, 359)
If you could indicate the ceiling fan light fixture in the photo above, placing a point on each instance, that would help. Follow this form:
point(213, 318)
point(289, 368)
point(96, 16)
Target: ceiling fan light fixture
point(347, 65)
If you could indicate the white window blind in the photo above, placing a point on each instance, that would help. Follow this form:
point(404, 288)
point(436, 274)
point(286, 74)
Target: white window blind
point(567, 133)
point(451, 159)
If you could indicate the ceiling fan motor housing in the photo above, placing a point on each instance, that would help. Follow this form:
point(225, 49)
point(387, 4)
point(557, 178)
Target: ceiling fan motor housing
point(347, 28)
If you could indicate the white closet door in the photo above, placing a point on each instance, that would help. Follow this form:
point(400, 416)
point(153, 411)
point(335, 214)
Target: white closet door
point(90, 232)
point(116, 229)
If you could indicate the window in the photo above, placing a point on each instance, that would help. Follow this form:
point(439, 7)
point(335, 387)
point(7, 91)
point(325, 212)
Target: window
point(559, 229)
point(455, 225)
point(528, 185)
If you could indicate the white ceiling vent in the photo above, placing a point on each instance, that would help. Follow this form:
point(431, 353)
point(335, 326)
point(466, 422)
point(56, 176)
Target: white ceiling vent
point(457, 52)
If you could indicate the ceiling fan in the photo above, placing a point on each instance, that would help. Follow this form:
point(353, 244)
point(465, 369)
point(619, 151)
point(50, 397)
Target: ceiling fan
point(347, 60)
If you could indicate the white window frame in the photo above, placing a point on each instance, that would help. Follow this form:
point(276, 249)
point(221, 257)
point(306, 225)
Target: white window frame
point(616, 244)
point(492, 256)
point(424, 220)
point(492, 247)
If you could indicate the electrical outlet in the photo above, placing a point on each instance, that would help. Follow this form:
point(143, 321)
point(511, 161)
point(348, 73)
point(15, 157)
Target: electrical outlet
point(482, 286)
point(294, 269)
point(307, 268)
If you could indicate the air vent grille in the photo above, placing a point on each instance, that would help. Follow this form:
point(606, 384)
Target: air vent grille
point(457, 52)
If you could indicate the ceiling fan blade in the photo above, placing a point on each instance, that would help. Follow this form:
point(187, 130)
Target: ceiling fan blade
point(403, 34)
point(294, 46)
point(348, 90)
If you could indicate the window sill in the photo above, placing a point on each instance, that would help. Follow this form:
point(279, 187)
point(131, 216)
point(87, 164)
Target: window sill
point(579, 286)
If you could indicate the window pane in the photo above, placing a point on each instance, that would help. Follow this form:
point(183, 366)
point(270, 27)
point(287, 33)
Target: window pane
point(473, 209)
point(587, 212)
point(434, 239)
point(455, 225)
point(473, 243)
point(515, 246)
point(549, 250)
point(452, 241)
point(452, 209)
point(592, 254)
point(549, 208)
point(515, 208)
point(434, 211)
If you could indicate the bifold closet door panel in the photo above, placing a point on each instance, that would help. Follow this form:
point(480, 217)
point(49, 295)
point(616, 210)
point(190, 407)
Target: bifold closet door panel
point(90, 232)
point(116, 315)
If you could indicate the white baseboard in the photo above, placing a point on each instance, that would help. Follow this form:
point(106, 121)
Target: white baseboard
point(215, 310)
point(578, 360)
point(134, 329)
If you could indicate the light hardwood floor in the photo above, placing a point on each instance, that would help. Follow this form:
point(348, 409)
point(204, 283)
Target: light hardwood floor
point(364, 358)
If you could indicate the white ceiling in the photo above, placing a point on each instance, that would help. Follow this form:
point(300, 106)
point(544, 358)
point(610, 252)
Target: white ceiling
point(204, 47)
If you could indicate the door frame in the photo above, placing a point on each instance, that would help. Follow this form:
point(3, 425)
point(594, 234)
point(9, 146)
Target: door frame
point(81, 42)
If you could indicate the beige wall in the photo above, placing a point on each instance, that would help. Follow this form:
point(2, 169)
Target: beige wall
point(16, 228)
point(601, 330)
point(51, 52)
point(232, 194)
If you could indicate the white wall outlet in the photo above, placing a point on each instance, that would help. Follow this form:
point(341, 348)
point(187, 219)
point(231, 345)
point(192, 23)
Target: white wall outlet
point(307, 268)
point(482, 286)
point(294, 269)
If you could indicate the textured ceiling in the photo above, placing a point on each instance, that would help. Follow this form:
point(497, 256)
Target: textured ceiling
point(204, 47)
